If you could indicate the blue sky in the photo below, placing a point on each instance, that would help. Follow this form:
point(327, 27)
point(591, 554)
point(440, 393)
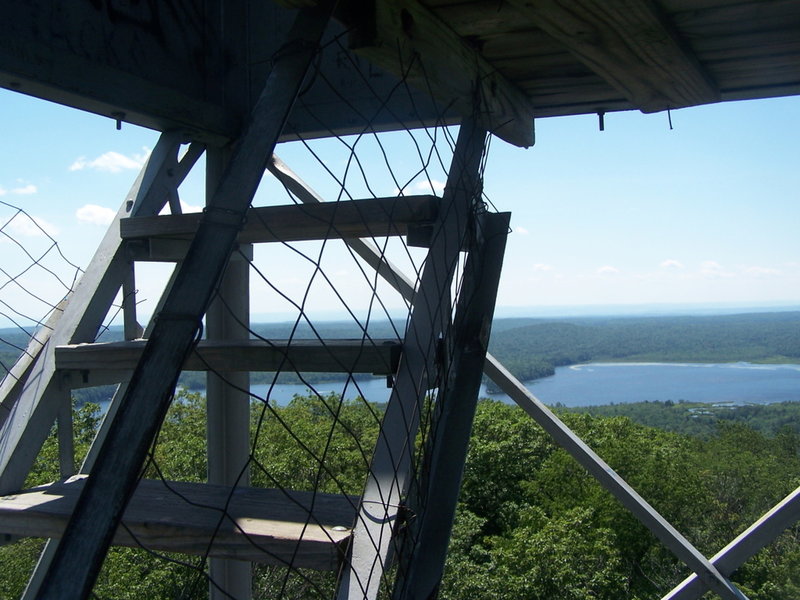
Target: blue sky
point(705, 213)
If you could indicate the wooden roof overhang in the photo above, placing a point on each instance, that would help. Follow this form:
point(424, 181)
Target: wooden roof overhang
point(197, 65)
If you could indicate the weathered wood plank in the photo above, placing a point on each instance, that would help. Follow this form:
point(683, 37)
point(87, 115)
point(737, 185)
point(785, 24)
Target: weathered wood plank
point(372, 217)
point(261, 525)
point(481, 18)
point(631, 45)
point(408, 40)
point(739, 17)
point(333, 356)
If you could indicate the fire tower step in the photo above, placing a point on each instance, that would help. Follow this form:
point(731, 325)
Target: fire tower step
point(379, 357)
point(255, 524)
point(372, 217)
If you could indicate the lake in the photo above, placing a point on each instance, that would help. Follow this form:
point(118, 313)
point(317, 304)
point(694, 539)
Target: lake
point(607, 383)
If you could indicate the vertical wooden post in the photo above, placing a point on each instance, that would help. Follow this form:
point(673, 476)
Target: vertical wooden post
point(66, 443)
point(434, 504)
point(99, 509)
point(228, 417)
point(130, 324)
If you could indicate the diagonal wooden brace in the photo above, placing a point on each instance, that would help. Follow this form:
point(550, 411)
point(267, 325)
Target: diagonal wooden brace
point(80, 553)
point(390, 470)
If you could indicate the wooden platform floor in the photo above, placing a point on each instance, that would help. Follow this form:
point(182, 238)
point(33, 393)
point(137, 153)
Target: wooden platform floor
point(260, 525)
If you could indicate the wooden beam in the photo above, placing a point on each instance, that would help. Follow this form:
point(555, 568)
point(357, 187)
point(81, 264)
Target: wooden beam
point(366, 249)
point(378, 217)
point(391, 466)
point(408, 40)
point(756, 537)
point(310, 356)
point(428, 535)
point(228, 414)
point(90, 530)
point(630, 44)
point(278, 527)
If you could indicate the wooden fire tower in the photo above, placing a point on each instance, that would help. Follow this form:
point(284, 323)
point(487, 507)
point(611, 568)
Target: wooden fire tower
point(235, 79)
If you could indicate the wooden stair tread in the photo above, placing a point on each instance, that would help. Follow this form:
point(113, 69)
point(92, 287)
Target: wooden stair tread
point(379, 357)
point(260, 525)
point(373, 217)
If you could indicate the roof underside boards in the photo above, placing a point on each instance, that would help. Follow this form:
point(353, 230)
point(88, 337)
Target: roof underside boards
point(193, 66)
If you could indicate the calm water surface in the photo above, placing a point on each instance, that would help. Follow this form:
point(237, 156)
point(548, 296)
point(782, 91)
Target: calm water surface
point(606, 383)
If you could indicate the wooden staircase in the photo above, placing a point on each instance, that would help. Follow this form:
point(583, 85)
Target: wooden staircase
point(315, 531)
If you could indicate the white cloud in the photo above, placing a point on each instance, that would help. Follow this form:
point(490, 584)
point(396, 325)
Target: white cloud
point(111, 162)
point(521, 230)
point(671, 263)
point(711, 269)
point(607, 270)
point(185, 208)
point(94, 214)
point(422, 187)
point(23, 190)
point(25, 226)
point(426, 186)
point(762, 271)
point(540, 267)
point(189, 208)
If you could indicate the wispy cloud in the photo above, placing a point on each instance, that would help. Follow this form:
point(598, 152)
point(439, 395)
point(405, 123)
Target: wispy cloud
point(711, 269)
point(521, 230)
point(762, 271)
point(94, 214)
point(423, 187)
point(671, 263)
point(23, 190)
point(187, 208)
point(111, 162)
point(435, 184)
point(542, 268)
point(607, 270)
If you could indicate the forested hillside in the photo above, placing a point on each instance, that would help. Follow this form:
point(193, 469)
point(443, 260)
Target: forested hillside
point(531, 523)
point(534, 350)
